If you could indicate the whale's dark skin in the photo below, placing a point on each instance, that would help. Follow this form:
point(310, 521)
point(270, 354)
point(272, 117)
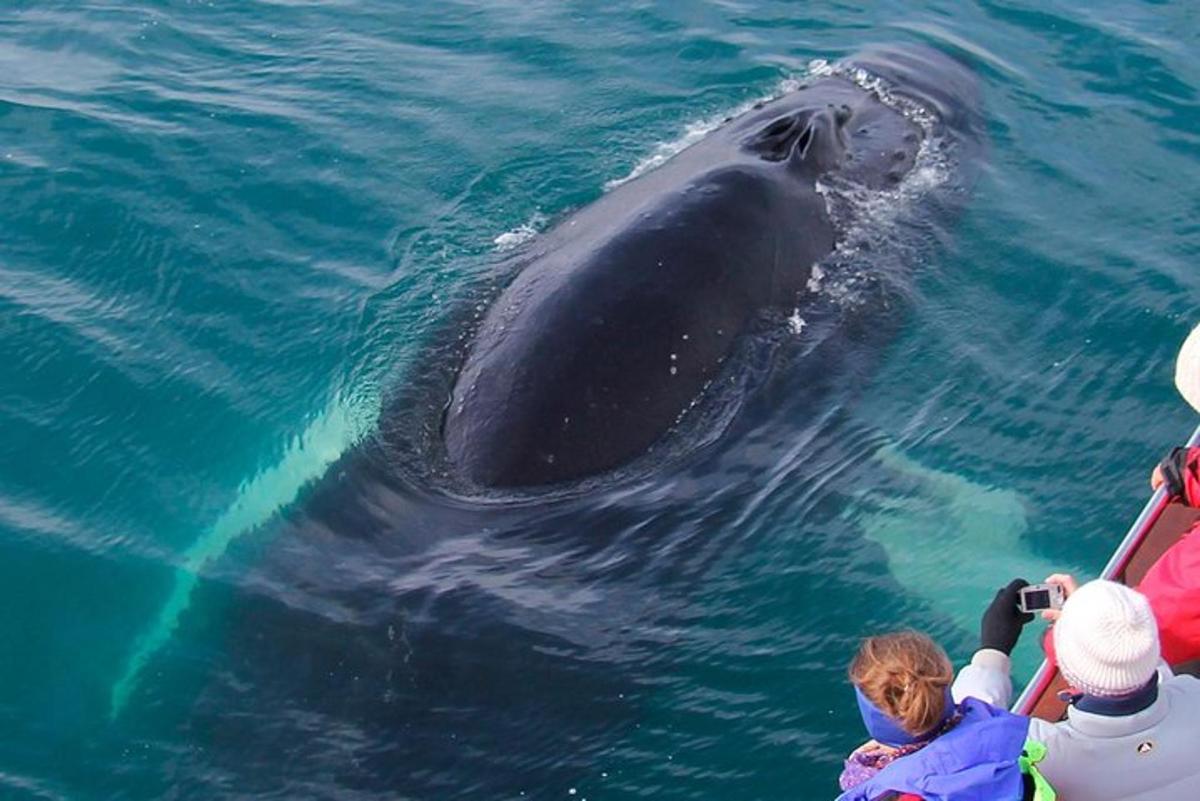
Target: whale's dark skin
point(633, 304)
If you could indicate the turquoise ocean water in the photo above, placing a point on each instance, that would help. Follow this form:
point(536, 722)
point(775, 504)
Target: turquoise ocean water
point(231, 231)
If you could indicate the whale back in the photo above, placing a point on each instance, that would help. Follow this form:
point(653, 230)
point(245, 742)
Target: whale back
point(589, 357)
point(635, 303)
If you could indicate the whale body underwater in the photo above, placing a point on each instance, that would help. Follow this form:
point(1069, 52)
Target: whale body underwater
point(629, 308)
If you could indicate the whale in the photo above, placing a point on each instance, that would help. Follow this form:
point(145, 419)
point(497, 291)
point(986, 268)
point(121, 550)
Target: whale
point(627, 310)
point(402, 639)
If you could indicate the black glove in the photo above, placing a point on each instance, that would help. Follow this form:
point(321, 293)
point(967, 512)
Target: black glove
point(1172, 471)
point(1002, 622)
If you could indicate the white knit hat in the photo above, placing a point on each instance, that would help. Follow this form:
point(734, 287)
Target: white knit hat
point(1187, 369)
point(1107, 639)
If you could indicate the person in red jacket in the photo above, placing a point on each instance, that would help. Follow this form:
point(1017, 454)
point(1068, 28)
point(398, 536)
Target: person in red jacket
point(1173, 583)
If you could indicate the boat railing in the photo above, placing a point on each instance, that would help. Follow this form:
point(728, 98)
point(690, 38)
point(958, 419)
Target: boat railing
point(1151, 512)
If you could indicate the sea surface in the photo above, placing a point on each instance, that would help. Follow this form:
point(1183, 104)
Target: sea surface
point(236, 238)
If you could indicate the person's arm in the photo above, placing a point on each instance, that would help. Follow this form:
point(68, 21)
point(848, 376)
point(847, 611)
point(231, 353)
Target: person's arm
point(1179, 473)
point(989, 675)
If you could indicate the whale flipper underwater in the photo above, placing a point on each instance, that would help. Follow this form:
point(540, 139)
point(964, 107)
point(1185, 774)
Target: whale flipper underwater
point(632, 305)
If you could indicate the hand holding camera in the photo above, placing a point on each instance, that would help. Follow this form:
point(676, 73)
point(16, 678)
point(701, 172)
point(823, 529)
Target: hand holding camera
point(1066, 585)
point(1015, 605)
point(1003, 620)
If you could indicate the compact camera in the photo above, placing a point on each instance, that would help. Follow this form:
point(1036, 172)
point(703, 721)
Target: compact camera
point(1037, 597)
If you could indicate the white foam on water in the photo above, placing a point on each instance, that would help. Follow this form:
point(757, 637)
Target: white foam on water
point(814, 279)
point(693, 133)
point(305, 458)
point(521, 234)
point(796, 323)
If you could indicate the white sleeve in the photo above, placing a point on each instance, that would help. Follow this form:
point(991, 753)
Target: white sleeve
point(988, 677)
